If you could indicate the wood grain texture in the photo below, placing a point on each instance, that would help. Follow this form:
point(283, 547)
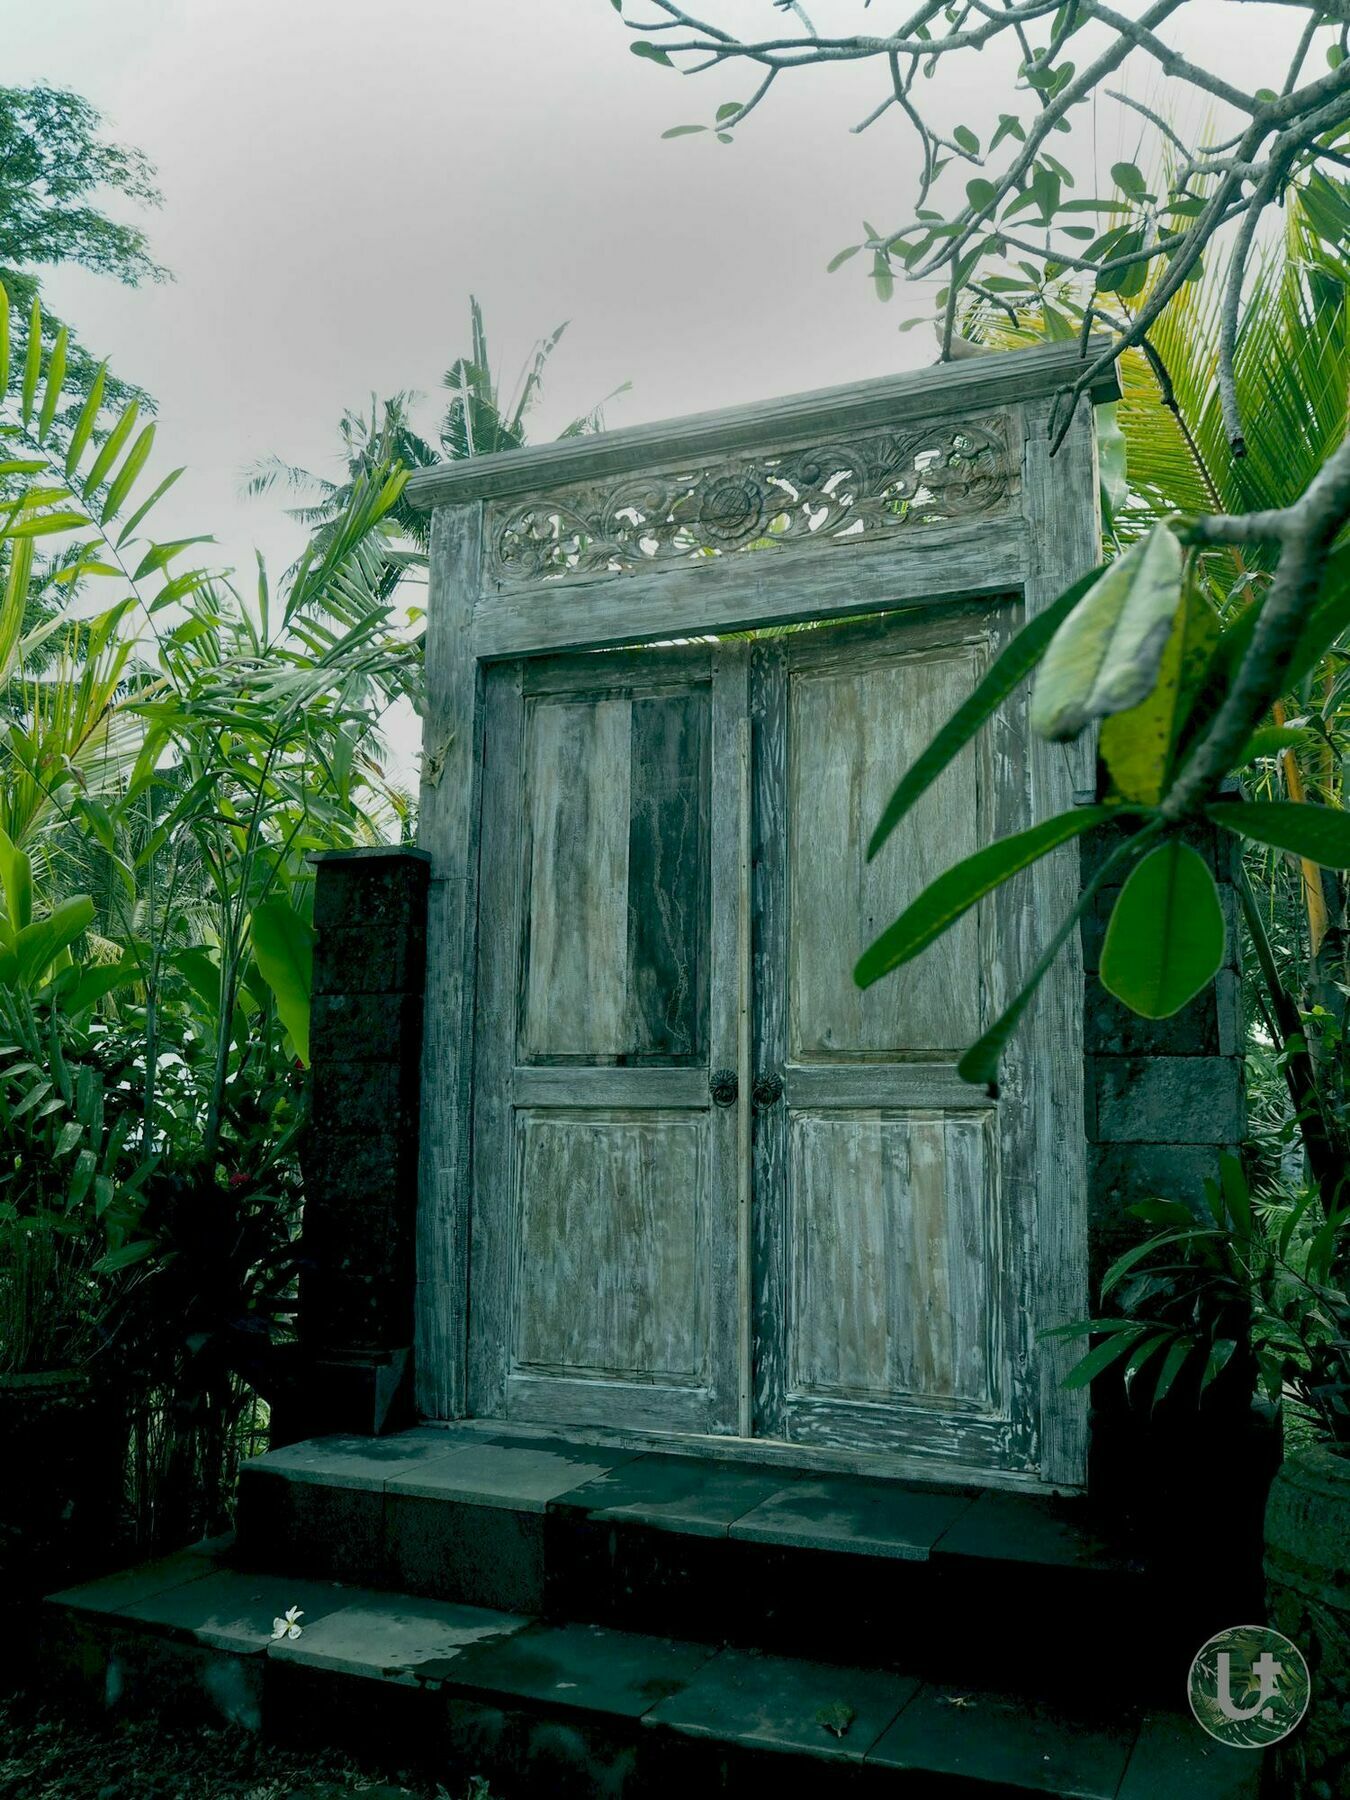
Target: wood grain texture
point(887, 1308)
point(944, 564)
point(490, 1277)
point(894, 1253)
point(448, 815)
point(728, 1323)
point(1060, 502)
point(612, 1253)
point(850, 731)
point(919, 394)
point(667, 926)
point(617, 897)
point(577, 775)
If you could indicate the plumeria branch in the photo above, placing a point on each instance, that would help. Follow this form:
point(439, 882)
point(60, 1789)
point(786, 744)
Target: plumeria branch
point(1280, 137)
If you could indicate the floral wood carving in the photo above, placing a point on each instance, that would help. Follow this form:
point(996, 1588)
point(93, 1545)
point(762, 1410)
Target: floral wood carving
point(861, 489)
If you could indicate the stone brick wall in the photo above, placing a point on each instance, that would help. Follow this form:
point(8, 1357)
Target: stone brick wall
point(1163, 1096)
point(359, 1280)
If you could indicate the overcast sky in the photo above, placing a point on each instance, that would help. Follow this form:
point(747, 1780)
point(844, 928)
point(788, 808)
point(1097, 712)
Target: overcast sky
point(338, 177)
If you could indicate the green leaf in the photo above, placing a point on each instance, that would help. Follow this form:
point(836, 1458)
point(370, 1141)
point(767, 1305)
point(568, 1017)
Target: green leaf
point(729, 109)
point(126, 1256)
point(1143, 1351)
point(1129, 179)
point(841, 257)
point(943, 901)
point(16, 882)
point(56, 375)
point(980, 1063)
point(1271, 740)
point(1122, 1266)
point(32, 361)
point(127, 474)
point(283, 943)
point(1105, 656)
point(652, 52)
point(145, 506)
point(967, 139)
point(1099, 1359)
point(1220, 1352)
point(1007, 671)
point(683, 131)
point(1173, 1363)
point(1319, 833)
point(1115, 487)
point(84, 425)
point(1139, 745)
point(38, 945)
point(45, 524)
point(980, 192)
point(1165, 940)
point(4, 340)
point(111, 446)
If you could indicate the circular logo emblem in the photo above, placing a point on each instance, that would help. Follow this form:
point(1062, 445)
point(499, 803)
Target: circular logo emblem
point(1249, 1686)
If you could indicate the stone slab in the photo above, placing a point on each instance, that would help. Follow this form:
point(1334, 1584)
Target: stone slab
point(126, 1587)
point(1174, 1757)
point(855, 1513)
point(233, 1609)
point(506, 1471)
point(350, 1462)
point(775, 1702)
point(395, 1637)
point(584, 1668)
point(1002, 1739)
point(1028, 1529)
point(691, 1495)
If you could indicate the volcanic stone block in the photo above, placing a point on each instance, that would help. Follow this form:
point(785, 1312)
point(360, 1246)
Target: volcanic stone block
point(1168, 1100)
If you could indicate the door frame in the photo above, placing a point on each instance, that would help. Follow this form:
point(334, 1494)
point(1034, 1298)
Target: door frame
point(1016, 522)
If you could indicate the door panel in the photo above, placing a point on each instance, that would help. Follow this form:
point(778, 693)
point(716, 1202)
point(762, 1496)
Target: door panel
point(603, 1235)
point(616, 947)
point(851, 729)
point(892, 1230)
point(611, 1210)
point(892, 1240)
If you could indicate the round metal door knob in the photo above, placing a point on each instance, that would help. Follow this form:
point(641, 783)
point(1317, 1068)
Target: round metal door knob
point(769, 1089)
point(724, 1087)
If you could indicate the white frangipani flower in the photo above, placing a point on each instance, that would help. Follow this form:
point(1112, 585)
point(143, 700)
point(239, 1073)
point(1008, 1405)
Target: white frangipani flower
point(289, 1627)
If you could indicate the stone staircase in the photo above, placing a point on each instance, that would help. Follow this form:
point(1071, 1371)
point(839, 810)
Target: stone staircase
point(570, 1616)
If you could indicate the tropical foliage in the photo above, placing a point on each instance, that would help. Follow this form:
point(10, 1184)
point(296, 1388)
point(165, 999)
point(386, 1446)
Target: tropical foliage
point(173, 751)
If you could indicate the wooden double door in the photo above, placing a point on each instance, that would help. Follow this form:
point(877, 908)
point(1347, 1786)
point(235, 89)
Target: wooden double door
point(717, 1189)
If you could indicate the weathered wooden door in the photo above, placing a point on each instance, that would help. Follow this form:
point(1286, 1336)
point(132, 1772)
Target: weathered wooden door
point(604, 1263)
point(719, 1189)
point(893, 1229)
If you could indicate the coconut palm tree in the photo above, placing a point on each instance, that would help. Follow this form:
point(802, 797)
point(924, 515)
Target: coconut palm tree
point(477, 421)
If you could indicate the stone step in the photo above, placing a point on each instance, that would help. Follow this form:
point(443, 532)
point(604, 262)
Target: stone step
point(557, 1710)
point(835, 1566)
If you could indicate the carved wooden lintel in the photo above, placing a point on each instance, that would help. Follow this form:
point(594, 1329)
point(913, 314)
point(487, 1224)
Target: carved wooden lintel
point(847, 490)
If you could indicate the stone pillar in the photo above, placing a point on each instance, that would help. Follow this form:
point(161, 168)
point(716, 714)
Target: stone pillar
point(1164, 1097)
point(358, 1278)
